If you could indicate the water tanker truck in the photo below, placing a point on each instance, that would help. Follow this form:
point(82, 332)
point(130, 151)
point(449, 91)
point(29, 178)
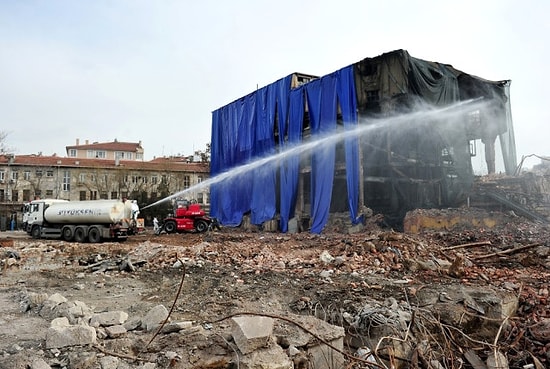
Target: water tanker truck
point(82, 221)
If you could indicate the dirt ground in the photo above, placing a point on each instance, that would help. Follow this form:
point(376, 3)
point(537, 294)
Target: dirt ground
point(206, 277)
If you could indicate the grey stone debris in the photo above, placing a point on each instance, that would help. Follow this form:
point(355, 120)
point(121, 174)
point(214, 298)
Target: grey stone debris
point(82, 359)
point(57, 298)
point(272, 357)
point(154, 318)
point(252, 332)
point(62, 334)
point(176, 326)
point(115, 331)
point(318, 355)
point(108, 318)
point(108, 362)
point(40, 363)
point(132, 323)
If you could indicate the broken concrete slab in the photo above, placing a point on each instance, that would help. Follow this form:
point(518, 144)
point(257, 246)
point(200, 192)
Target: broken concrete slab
point(39, 363)
point(155, 317)
point(108, 318)
point(115, 331)
point(176, 326)
point(57, 298)
point(74, 335)
point(271, 357)
point(306, 338)
point(324, 357)
point(252, 332)
point(60, 322)
point(488, 307)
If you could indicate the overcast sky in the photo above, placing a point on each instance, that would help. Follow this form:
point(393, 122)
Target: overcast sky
point(153, 71)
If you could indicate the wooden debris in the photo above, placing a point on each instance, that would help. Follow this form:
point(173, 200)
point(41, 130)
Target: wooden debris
point(466, 245)
point(474, 360)
point(507, 252)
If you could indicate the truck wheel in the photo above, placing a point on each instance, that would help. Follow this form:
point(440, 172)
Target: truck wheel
point(170, 227)
point(35, 232)
point(80, 235)
point(67, 233)
point(201, 226)
point(94, 235)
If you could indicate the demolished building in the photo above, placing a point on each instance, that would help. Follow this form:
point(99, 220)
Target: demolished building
point(405, 132)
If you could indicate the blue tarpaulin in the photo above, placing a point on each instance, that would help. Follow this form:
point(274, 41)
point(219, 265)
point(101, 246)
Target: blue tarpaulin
point(243, 131)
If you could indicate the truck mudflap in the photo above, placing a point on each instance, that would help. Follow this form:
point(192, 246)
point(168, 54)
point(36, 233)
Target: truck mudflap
point(118, 232)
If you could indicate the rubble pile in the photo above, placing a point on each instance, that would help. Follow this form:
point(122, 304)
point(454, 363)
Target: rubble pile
point(467, 296)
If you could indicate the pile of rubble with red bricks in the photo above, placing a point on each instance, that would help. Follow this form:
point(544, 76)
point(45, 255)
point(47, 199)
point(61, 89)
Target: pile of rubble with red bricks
point(463, 297)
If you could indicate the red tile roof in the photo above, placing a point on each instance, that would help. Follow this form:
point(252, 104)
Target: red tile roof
point(111, 146)
point(155, 165)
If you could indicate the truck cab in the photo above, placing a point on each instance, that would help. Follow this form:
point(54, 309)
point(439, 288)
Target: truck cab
point(33, 213)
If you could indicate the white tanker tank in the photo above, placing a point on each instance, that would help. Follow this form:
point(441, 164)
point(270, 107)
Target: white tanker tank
point(83, 212)
point(82, 221)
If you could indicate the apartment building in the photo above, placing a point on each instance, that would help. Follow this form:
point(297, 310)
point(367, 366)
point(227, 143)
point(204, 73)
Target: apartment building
point(115, 150)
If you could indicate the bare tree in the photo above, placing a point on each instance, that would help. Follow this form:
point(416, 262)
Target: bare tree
point(4, 149)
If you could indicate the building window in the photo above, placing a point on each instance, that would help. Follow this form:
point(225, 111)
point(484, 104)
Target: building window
point(82, 195)
point(139, 156)
point(93, 195)
point(39, 173)
point(15, 196)
point(119, 154)
point(49, 193)
point(90, 154)
point(72, 153)
point(124, 195)
point(49, 173)
point(129, 155)
point(2, 176)
point(154, 180)
point(114, 195)
point(66, 180)
point(186, 181)
point(14, 175)
point(199, 179)
point(103, 196)
point(37, 193)
point(2, 195)
point(372, 96)
point(200, 198)
point(368, 70)
point(26, 195)
point(27, 175)
point(82, 177)
point(164, 179)
point(101, 154)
